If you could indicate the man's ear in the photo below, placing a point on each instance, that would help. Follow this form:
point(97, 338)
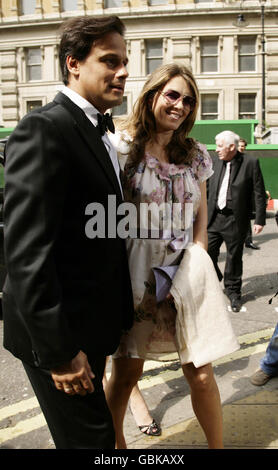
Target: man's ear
point(73, 65)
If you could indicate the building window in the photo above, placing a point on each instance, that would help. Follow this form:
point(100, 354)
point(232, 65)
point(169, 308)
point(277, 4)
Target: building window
point(209, 55)
point(158, 2)
point(121, 109)
point(154, 54)
point(30, 105)
point(69, 5)
point(247, 53)
point(27, 7)
point(112, 3)
point(209, 106)
point(247, 106)
point(34, 64)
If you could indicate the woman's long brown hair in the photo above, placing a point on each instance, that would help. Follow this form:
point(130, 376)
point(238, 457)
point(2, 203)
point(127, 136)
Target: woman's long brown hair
point(141, 124)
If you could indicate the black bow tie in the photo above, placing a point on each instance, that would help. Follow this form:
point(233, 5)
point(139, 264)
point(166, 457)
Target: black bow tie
point(105, 123)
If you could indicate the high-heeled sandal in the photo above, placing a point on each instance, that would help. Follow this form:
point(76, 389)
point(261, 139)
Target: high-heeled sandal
point(152, 429)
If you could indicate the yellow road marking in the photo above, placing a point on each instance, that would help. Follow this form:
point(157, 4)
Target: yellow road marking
point(19, 407)
point(22, 427)
point(252, 337)
point(242, 353)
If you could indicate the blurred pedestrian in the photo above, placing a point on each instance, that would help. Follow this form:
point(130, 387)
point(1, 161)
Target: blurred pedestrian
point(269, 363)
point(242, 144)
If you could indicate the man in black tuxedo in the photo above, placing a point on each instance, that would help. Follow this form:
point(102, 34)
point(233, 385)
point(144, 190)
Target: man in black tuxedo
point(236, 182)
point(67, 297)
point(242, 144)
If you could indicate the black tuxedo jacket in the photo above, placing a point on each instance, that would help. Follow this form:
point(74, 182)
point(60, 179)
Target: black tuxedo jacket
point(247, 188)
point(64, 292)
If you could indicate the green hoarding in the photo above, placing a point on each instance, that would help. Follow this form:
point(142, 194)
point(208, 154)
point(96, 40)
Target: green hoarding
point(205, 132)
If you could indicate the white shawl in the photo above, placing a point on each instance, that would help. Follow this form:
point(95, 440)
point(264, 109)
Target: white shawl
point(204, 331)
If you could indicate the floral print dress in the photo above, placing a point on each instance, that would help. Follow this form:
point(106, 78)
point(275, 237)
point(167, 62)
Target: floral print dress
point(153, 333)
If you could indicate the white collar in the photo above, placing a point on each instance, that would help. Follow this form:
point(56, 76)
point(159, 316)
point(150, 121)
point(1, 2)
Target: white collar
point(82, 103)
point(91, 113)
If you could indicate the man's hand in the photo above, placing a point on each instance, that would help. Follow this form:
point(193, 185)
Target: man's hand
point(74, 377)
point(257, 228)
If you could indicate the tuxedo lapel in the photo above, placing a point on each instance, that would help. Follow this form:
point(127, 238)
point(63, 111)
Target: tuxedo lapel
point(217, 173)
point(121, 177)
point(94, 141)
point(90, 134)
point(235, 167)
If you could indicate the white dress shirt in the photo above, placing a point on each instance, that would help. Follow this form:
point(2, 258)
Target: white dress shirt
point(222, 197)
point(91, 113)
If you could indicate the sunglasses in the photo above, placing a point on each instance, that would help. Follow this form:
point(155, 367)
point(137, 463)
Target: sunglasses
point(173, 97)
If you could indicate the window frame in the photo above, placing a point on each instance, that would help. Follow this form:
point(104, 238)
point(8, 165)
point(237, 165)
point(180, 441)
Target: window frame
point(29, 65)
point(106, 2)
point(202, 55)
point(253, 54)
point(22, 7)
point(255, 113)
point(33, 100)
point(202, 95)
point(26, 99)
point(148, 58)
point(63, 9)
point(156, 3)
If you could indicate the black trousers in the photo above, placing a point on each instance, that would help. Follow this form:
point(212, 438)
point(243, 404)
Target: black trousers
point(249, 238)
point(224, 229)
point(75, 422)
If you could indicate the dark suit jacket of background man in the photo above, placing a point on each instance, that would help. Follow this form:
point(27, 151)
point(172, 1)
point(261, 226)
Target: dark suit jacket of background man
point(246, 182)
point(64, 291)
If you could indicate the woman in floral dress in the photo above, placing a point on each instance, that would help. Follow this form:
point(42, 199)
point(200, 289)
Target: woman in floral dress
point(162, 165)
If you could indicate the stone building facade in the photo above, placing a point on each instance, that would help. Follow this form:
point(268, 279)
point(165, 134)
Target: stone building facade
point(225, 58)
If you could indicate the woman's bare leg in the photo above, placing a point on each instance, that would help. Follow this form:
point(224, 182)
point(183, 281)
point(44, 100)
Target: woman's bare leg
point(206, 402)
point(104, 379)
point(139, 407)
point(124, 376)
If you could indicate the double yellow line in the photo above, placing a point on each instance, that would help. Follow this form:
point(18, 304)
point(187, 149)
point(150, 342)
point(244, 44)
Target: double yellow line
point(22, 427)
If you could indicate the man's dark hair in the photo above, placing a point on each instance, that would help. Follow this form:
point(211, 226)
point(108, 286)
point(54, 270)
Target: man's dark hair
point(244, 141)
point(79, 34)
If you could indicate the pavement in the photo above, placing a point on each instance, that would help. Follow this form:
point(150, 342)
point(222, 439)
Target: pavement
point(250, 413)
